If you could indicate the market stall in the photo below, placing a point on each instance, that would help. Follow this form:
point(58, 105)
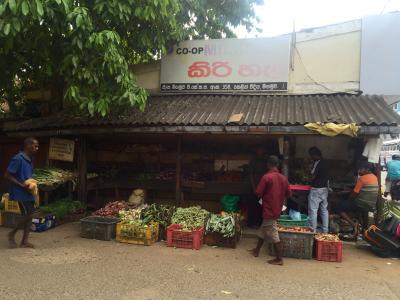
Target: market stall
point(191, 150)
point(210, 167)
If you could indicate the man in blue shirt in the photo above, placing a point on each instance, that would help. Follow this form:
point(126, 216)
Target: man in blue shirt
point(393, 177)
point(19, 170)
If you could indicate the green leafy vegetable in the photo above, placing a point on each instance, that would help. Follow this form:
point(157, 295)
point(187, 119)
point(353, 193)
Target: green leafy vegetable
point(224, 225)
point(191, 217)
point(161, 214)
point(63, 207)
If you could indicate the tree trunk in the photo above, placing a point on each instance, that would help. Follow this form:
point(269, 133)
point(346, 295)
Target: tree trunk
point(57, 94)
point(57, 82)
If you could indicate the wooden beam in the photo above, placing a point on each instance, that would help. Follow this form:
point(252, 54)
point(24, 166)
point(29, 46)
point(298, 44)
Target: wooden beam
point(41, 94)
point(215, 129)
point(82, 169)
point(178, 187)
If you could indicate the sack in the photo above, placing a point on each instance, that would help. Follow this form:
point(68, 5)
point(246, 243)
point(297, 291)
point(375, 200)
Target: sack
point(137, 197)
point(230, 203)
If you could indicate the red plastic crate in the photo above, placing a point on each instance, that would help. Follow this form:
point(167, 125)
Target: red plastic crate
point(299, 187)
point(178, 238)
point(329, 251)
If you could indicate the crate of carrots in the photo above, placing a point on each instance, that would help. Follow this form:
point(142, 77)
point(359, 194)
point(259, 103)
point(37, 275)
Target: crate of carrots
point(297, 242)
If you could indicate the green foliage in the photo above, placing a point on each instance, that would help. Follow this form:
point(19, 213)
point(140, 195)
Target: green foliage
point(62, 207)
point(85, 47)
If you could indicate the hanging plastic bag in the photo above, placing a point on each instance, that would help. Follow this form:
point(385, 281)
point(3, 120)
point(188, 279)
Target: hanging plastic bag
point(294, 215)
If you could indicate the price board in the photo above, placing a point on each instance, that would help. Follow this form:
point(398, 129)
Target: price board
point(61, 149)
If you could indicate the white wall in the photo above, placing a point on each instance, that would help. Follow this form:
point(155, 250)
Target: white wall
point(327, 60)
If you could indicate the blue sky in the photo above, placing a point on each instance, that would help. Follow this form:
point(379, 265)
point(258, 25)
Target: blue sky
point(277, 15)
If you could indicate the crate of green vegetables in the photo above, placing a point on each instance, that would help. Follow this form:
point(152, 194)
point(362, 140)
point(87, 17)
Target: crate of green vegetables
point(223, 230)
point(179, 236)
point(137, 232)
point(187, 228)
point(161, 214)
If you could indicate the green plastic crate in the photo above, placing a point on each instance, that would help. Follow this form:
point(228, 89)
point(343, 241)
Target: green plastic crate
point(285, 220)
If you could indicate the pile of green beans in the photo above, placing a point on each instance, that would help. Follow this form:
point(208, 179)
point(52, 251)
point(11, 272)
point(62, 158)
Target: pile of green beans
point(191, 217)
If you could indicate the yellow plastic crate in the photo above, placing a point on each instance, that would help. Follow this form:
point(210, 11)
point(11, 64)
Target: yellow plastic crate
point(12, 206)
point(1, 217)
point(137, 235)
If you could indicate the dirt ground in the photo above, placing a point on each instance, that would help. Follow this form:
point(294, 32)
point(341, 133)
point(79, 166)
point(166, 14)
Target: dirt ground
point(65, 266)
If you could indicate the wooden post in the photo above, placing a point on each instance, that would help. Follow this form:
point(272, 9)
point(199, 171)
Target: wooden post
point(82, 169)
point(286, 150)
point(178, 171)
point(70, 186)
point(380, 201)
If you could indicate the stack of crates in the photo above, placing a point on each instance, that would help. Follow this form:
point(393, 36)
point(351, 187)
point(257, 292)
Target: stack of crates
point(2, 216)
point(12, 206)
point(12, 216)
point(12, 213)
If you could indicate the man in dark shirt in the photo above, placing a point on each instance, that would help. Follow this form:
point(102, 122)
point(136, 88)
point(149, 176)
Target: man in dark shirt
point(257, 169)
point(19, 170)
point(318, 197)
point(274, 190)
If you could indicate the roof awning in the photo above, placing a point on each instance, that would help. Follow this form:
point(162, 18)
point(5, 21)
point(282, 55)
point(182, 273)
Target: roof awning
point(228, 113)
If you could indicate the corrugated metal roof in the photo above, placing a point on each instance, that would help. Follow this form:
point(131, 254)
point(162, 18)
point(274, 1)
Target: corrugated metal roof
point(391, 99)
point(257, 110)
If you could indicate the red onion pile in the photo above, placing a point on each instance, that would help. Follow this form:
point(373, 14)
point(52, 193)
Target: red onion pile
point(111, 209)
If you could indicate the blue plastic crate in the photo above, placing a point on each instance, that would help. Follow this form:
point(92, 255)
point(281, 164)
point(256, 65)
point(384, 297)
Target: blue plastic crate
point(43, 223)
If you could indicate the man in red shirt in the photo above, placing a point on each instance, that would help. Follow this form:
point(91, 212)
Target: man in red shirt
point(274, 190)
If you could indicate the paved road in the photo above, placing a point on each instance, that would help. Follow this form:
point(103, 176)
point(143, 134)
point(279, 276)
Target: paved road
point(65, 266)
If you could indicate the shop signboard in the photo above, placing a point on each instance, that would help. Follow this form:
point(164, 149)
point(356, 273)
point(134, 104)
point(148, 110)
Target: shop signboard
point(61, 149)
point(258, 64)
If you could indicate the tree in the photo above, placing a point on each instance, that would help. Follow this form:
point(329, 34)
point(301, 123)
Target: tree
point(83, 49)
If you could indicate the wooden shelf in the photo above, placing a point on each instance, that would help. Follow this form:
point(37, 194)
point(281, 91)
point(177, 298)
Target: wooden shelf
point(207, 187)
point(128, 183)
point(215, 187)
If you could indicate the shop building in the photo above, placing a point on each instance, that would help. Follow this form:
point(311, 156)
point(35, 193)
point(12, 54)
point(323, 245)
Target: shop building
point(191, 147)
